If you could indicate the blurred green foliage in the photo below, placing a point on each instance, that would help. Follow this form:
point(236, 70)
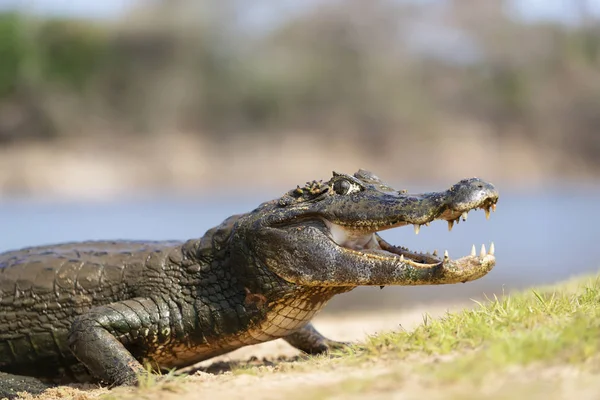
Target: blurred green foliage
point(334, 68)
point(66, 52)
point(12, 52)
point(70, 52)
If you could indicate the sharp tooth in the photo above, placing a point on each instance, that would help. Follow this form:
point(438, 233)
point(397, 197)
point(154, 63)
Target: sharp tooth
point(435, 252)
point(483, 252)
point(473, 251)
point(426, 223)
point(465, 215)
point(417, 229)
point(401, 257)
point(446, 254)
point(492, 249)
point(487, 213)
point(450, 225)
point(493, 207)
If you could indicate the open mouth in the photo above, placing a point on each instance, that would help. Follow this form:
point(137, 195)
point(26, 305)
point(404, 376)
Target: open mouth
point(370, 244)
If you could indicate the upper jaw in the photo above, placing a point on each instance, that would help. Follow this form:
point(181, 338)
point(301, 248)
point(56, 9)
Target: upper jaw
point(400, 209)
point(448, 214)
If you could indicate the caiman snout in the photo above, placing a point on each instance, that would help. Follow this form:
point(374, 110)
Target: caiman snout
point(469, 194)
point(472, 192)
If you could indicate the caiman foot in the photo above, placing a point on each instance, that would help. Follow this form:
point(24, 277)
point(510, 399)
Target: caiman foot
point(11, 385)
point(310, 341)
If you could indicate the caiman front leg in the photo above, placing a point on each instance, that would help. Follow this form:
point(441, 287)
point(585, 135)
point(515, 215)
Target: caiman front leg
point(98, 338)
point(310, 341)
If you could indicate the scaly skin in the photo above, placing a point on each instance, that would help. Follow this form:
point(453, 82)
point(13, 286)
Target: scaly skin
point(100, 310)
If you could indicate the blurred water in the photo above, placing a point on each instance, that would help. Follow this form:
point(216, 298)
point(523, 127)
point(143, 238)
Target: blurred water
point(539, 237)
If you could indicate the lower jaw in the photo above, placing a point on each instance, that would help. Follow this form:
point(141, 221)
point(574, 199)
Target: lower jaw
point(421, 258)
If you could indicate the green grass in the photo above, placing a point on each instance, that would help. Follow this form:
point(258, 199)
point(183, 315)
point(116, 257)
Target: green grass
point(524, 343)
point(558, 324)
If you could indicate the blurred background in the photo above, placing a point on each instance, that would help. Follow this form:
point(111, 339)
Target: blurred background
point(150, 119)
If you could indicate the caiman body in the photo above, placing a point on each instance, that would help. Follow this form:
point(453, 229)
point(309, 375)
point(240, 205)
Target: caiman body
point(100, 310)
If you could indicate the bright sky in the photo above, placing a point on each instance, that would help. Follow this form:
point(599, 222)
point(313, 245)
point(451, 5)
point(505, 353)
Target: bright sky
point(85, 8)
point(528, 9)
point(565, 10)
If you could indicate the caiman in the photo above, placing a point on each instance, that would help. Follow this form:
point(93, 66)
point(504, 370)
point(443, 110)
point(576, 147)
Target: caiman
point(101, 311)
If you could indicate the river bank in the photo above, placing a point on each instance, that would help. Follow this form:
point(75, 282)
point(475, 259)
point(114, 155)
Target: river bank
point(105, 167)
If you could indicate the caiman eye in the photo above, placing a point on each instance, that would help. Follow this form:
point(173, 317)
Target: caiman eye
point(342, 187)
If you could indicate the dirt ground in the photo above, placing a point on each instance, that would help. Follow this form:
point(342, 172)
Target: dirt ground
point(219, 383)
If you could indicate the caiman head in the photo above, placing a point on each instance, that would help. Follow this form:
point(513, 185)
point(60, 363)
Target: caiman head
point(325, 233)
